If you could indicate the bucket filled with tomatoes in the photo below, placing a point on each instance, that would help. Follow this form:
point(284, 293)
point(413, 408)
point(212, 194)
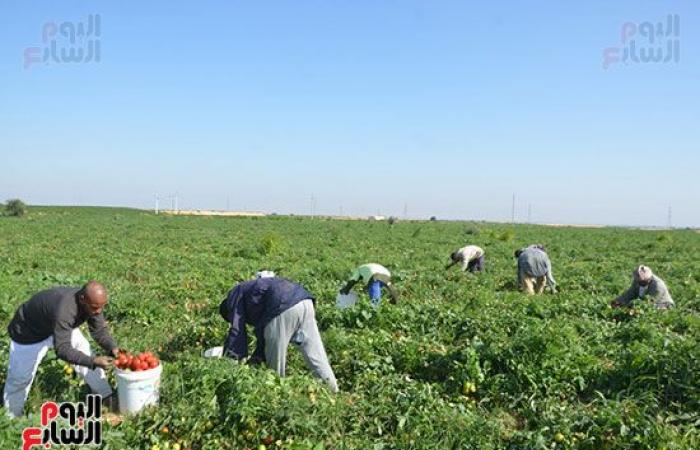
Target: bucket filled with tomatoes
point(138, 381)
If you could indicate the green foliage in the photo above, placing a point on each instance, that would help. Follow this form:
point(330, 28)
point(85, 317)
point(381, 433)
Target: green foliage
point(463, 361)
point(472, 230)
point(15, 207)
point(270, 243)
point(506, 235)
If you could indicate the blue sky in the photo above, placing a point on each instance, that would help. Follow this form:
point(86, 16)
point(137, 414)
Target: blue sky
point(446, 108)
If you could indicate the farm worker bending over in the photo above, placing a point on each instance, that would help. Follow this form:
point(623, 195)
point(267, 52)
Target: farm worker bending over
point(534, 270)
point(51, 319)
point(281, 312)
point(646, 284)
point(471, 257)
point(375, 277)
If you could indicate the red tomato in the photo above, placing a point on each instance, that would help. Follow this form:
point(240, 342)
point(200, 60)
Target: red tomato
point(135, 365)
point(153, 363)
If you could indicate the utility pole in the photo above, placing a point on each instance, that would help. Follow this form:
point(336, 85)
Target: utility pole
point(313, 201)
point(512, 211)
point(228, 206)
point(156, 204)
point(341, 210)
point(529, 213)
point(405, 210)
point(670, 222)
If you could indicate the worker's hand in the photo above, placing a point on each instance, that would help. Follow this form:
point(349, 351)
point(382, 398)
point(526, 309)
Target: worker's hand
point(116, 351)
point(104, 362)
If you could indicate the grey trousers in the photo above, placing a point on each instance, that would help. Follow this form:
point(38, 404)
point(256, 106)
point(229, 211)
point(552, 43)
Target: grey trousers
point(298, 326)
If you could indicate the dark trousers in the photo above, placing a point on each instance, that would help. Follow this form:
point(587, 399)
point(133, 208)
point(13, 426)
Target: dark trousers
point(476, 265)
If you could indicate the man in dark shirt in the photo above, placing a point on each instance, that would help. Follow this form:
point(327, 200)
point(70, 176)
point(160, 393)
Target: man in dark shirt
point(51, 319)
point(281, 312)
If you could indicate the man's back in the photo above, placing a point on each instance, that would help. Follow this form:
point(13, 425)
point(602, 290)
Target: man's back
point(533, 262)
point(366, 271)
point(34, 320)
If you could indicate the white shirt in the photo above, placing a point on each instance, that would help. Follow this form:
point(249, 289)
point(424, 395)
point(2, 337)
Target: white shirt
point(470, 252)
point(367, 272)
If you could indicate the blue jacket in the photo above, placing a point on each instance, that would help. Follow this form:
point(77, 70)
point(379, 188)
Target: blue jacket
point(256, 303)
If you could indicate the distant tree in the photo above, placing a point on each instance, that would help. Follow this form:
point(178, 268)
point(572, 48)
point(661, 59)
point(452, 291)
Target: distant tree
point(15, 207)
point(392, 220)
point(433, 218)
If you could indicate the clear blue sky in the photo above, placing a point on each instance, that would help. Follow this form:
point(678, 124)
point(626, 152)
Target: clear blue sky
point(448, 107)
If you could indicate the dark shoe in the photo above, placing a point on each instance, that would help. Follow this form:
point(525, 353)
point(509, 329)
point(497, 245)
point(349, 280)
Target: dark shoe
point(111, 403)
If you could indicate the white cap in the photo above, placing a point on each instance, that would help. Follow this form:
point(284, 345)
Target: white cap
point(265, 274)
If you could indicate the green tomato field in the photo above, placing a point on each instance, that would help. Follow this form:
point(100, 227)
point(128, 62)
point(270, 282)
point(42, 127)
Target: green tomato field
point(463, 361)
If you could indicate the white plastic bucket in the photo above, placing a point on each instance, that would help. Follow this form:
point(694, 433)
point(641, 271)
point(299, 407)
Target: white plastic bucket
point(138, 389)
point(343, 301)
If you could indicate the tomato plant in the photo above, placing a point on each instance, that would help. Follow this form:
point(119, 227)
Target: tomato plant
point(462, 361)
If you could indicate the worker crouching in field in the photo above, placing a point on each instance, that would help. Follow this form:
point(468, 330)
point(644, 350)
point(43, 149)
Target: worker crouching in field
point(375, 277)
point(645, 284)
point(471, 257)
point(281, 312)
point(534, 270)
point(50, 319)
